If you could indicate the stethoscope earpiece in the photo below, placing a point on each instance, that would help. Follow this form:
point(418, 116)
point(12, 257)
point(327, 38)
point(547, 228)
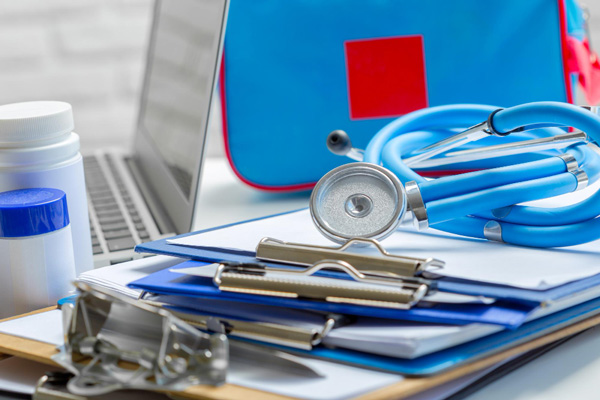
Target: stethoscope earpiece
point(339, 143)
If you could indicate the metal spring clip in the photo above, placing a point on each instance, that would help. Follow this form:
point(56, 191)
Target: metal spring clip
point(113, 342)
point(373, 290)
point(275, 250)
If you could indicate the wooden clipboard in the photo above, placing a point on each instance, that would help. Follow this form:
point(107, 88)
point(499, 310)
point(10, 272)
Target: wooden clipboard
point(42, 353)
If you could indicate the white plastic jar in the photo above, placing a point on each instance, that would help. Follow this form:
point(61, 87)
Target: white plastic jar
point(37, 264)
point(38, 149)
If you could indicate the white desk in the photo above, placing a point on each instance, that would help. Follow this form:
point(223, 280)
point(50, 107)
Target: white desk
point(570, 371)
point(224, 199)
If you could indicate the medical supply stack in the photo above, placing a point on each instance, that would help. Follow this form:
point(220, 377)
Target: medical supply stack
point(441, 303)
point(420, 303)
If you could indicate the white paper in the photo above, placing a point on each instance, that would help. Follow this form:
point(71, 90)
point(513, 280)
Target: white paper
point(340, 381)
point(118, 276)
point(475, 259)
point(405, 339)
point(44, 327)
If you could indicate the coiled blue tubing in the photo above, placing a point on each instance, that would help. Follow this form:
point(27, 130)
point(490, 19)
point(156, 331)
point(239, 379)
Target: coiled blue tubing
point(463, 204)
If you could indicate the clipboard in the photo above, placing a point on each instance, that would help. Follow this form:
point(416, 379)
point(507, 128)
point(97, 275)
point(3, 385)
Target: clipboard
point(440, 360)
point(171, 283)
point(527, 297)
point(42, 353)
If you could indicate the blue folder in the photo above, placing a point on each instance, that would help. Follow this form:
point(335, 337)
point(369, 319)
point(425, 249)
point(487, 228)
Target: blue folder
point(167, 282)
point(461, 354)
point(172, 283)
point(526, 297)
point(510, 310)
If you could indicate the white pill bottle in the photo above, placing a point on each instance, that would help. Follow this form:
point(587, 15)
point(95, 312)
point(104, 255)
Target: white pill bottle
point(38, 149)
point(37, 264)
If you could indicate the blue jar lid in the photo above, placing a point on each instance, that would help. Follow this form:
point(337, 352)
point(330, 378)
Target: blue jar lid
point(30, 212)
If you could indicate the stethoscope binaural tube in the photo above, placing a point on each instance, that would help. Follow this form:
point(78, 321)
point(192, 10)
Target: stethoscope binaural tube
point(488, 196)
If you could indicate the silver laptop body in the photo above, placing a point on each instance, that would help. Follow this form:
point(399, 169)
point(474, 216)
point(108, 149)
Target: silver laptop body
point(150, 192)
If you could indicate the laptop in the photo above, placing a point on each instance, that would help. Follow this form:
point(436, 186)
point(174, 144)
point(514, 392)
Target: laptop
point(150, 192)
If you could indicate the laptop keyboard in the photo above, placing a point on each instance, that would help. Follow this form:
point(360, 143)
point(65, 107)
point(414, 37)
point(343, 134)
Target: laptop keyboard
point(112, 223)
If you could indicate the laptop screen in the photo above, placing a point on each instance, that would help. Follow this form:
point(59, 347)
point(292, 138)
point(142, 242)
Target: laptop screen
point(181, 72)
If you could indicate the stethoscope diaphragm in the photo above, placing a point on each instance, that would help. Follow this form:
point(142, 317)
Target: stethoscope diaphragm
point(358, 200)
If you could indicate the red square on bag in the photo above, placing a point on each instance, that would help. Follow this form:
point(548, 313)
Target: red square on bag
point(386, 76)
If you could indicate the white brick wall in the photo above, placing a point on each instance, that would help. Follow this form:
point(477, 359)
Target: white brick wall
point(90, 53)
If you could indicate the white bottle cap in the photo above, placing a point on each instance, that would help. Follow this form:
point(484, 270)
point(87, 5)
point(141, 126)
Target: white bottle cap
point(35, 120)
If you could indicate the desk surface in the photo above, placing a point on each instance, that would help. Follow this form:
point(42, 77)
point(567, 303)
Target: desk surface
point(224, 199)
point(571, 370)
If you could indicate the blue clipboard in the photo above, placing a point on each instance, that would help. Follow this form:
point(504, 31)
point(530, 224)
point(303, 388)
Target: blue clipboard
point(526, 297)
point(468, 352)
point(425, 365)
point(171, 283)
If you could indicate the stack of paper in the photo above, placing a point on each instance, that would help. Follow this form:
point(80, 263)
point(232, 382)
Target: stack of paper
point(536, 291)
point(399, 338)
point(117, 277)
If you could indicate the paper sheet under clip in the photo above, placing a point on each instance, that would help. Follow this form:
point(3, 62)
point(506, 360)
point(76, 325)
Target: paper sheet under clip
point(113, 342)
point(275, 250)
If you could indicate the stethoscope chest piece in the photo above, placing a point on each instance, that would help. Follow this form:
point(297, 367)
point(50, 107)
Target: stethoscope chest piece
point(358, 200)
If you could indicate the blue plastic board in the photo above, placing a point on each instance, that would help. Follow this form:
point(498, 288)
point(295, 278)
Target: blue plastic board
point(511, 294)
point(445, 359)
point(172, 283)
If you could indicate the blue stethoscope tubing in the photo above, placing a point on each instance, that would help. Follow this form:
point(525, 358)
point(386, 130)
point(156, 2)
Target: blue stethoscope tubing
point(488, 195)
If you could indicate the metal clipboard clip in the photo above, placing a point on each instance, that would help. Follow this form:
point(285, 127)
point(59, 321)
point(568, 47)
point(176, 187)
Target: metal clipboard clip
point(113, 342)
point(285, 335)
point(379, 291)
point(275, 250)
point(299, 337)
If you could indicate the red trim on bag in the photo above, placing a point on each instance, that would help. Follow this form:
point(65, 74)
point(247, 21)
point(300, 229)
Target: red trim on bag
point(562, 16)
point(584, 62)
point(288, 188)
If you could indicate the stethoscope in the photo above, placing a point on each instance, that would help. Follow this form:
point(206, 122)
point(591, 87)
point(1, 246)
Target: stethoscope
point(531, 157)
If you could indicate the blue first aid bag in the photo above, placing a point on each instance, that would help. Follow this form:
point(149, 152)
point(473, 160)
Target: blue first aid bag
point(295, 70)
